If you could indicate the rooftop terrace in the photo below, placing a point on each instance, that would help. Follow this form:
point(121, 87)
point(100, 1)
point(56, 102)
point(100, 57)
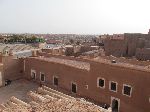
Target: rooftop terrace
point(127, 63)
point(72, 63)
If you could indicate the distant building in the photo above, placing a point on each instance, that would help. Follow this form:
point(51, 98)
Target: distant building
point(126, 44)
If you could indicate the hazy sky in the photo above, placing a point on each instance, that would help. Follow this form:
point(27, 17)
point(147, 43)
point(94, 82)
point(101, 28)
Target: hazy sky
point(74, 16)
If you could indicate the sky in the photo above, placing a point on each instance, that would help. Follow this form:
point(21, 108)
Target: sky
point(74, 16)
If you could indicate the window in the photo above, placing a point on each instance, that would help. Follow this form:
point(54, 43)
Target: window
point(42, 77)
point(127, 89)
point(113, 86)
point(55, 80)
point(86, 87)
point(73, 87)
point(33, 74)
point(101, 82)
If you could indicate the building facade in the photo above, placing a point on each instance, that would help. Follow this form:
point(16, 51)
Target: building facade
point(126, 44)
point(125, 89)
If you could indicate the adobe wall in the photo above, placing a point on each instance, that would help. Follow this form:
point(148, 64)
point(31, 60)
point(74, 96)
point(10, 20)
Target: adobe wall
point(114, 47)
point(143, 54)
point(47, 50)
point(0, 58)
point(139, 80)
point(128, 46)
point(65, 73)
point(1, 75)
point(12, 68)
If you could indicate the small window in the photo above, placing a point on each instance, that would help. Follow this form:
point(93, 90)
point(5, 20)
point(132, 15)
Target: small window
point(55, 81)
point(73, 87)
point(42, 77)
point(101, 82)
point(113, 86)
point(127, 90)
point(33, 74)
point(86, 87)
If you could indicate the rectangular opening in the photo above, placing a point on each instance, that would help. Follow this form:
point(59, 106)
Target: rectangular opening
point(101, 82)
point(33, 74)
point(113, 86)
point(115, 104)
point(55, 81)
point(42, 77)
point(1, 79)
point(127, 89)
point(73, 87)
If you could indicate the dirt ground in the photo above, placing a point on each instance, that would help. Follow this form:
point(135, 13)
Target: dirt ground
point(18, 89)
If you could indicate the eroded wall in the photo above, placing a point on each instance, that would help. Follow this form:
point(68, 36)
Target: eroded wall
point(12, 68)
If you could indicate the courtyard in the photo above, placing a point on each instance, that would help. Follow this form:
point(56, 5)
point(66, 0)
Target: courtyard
point(18, 88)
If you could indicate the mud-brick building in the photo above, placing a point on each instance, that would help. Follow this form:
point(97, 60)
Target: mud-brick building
point(11, 61)
point(126, 44)
point(143, 54)
point(124, 87)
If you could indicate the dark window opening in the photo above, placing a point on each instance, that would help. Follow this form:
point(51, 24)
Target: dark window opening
point(127, 90)
point(101, 83)
point(55, 81)
point(42, 77)
point(113, 86)
point(33, 75)
point(74, 88)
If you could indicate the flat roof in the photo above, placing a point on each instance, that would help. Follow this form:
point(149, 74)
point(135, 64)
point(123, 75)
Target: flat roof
point(72, 63)
point(145, 68)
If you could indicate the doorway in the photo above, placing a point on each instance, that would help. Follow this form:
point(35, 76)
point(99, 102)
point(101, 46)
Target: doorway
point(115, 104)
point(1, 81)
point(55, 81)
point(74, 87)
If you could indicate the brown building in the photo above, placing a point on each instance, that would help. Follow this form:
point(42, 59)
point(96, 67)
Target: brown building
point(126, 44)
point(124, 87)
point(143, 54)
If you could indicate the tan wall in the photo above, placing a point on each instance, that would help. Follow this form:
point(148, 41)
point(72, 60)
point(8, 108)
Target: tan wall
point(47, 50)
point(0, 58)
point(128, 46)
point(143, 54)
point(12, 68)
point(1, 75)
point(114, 47)
point(139, 80)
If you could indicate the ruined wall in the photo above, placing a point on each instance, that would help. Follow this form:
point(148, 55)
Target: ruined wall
point(114, 47)
point(143, 54)
point(139, 80)
point(12, 68)
point(127, 46)
point(47, 50)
